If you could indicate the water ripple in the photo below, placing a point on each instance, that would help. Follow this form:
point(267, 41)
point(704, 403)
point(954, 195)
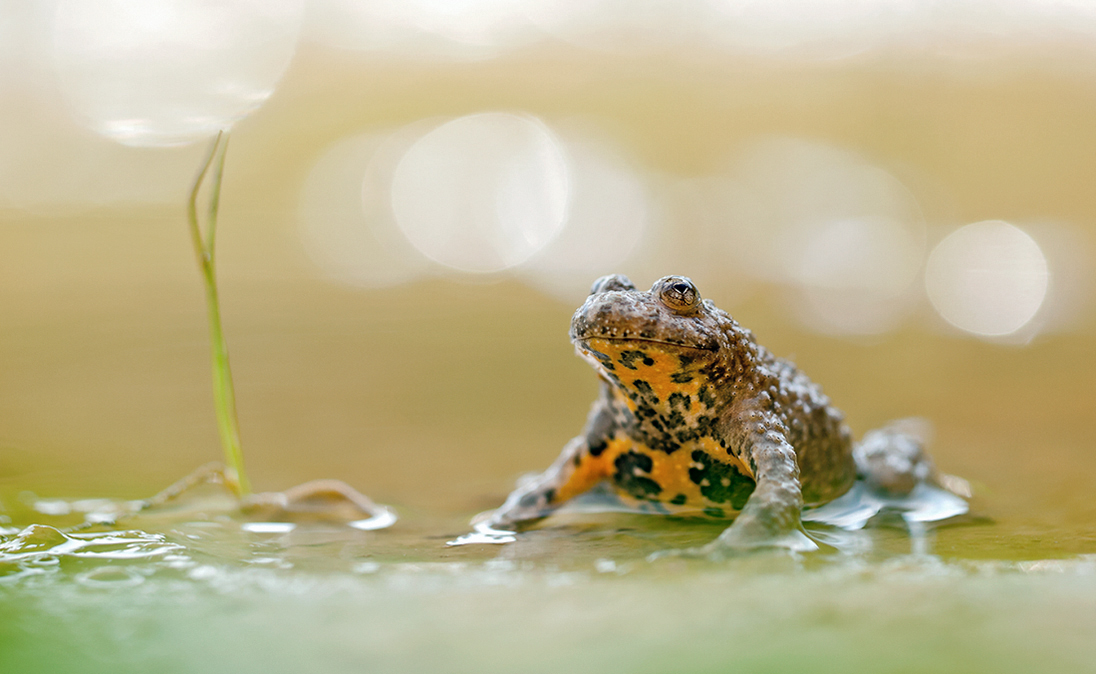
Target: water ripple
point(40, 548)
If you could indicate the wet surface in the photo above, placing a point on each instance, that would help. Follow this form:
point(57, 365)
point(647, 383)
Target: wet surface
point(198, 589)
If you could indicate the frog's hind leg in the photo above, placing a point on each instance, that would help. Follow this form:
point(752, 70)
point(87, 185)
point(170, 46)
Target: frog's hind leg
point(892, 460)
point(896, 473)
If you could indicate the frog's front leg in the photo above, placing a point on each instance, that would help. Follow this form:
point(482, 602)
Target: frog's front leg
point(582, 464)
point(770, 517)
point(540, 495)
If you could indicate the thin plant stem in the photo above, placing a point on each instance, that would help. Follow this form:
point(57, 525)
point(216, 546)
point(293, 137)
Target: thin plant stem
point(224, 395)
point(215, 202)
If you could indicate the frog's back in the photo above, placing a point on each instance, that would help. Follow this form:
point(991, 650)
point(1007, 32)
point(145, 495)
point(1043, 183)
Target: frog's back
point(815, 429)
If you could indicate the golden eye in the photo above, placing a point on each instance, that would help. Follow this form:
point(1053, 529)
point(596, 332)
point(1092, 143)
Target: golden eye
point(678, 293)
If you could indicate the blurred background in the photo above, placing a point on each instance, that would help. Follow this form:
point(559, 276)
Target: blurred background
point(896, 194)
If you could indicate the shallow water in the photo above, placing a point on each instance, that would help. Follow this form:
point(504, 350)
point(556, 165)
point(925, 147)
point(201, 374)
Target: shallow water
point(196, 591)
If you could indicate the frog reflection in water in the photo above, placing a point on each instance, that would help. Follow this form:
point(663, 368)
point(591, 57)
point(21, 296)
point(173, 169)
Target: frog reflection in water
point(696, 416)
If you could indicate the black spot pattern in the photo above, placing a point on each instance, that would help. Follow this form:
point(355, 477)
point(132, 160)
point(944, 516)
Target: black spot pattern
point(713, 512)
point(628, 358)
point(681, 377)
point(657, 429)
point(605, 359)
point(627, 465)
point(704, 395)
point(681, 399)
point(680, 499)
point(645, 389)
point(705, 427)
point(687, 435)
point(662, 442)
point(735, 492)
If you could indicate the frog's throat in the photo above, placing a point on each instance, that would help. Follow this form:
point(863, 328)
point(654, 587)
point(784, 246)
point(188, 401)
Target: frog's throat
point(618, 360)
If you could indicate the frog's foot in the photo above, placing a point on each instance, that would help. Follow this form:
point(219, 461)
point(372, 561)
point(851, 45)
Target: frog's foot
point(531, 502)
point(744, 539)
point(502, 518)
point(924, 503)
point(738, 539)
point(493, 527)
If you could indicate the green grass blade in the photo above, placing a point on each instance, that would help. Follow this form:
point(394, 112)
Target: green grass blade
point(224, 395)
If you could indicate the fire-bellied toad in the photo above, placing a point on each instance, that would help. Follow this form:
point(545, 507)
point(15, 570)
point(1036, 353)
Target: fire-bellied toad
point(696, 416)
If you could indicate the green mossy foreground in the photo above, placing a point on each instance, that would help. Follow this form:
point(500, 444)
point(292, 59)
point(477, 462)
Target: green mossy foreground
point(900, 617)
point(196, 592)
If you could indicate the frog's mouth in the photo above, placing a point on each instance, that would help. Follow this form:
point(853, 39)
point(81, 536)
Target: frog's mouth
point(625, 318)
point(584, 342)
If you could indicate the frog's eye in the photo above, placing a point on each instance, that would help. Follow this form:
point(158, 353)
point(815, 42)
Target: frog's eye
point(611, 282)
point(678, 293)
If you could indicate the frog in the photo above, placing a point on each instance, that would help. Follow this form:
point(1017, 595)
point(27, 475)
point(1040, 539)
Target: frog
point(694, 416)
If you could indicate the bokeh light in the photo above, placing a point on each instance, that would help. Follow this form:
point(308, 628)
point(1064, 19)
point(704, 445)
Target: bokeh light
point(349, 229)
point(167, 72)
point(822, 28)
point(846, 238)
point(620, 25)
point(345, 216)
point(1069, 251)
point(609, 214)
point(785, 29)
point(417, 29)
point(988, 278)
point(482, 193)
point(854, 273)
point(967, 28)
